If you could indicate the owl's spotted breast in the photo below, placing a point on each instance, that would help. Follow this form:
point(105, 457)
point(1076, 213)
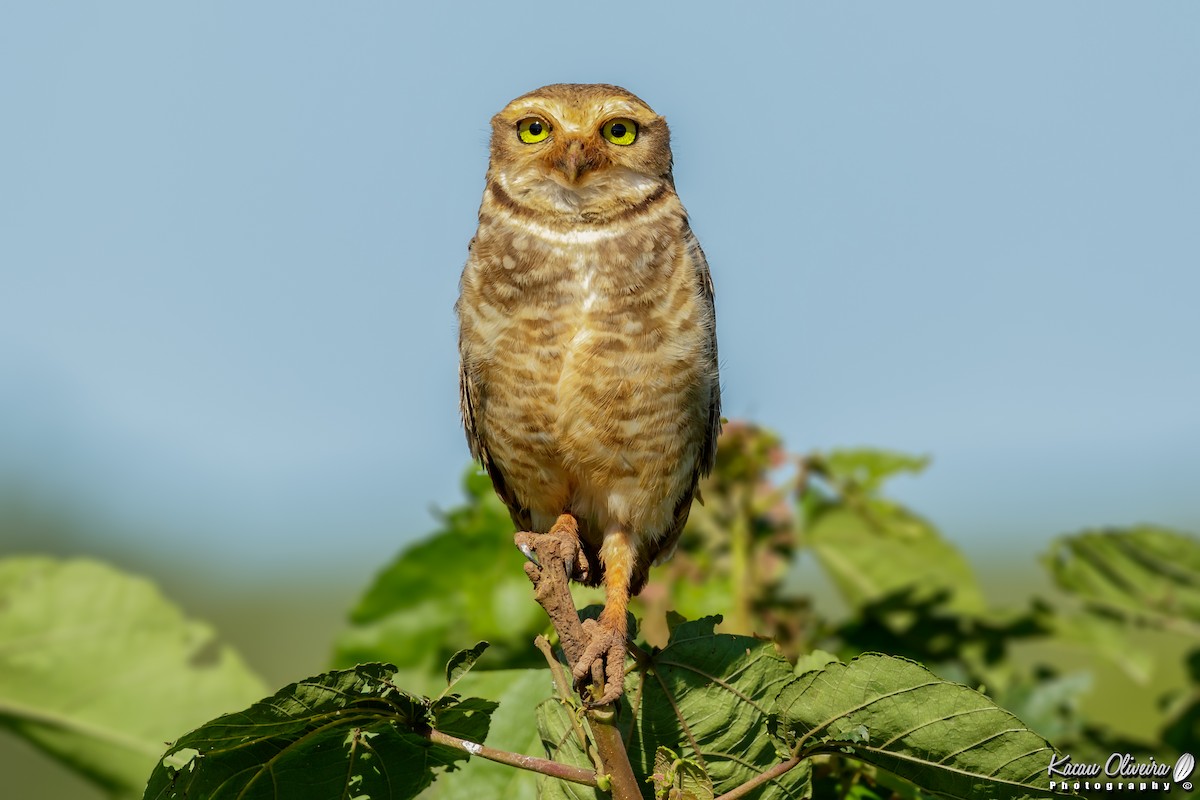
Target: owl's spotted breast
point(593, 349)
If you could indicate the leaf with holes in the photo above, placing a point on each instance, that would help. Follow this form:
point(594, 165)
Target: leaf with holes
point(899, 716)
point(349, 733)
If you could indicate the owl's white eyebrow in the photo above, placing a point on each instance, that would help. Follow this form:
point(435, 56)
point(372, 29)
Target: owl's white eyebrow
point(562, 118)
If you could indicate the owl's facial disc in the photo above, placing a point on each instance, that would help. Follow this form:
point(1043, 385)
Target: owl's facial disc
point(587, 150)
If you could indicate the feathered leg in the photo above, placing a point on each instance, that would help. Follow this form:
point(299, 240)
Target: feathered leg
point(604, 657)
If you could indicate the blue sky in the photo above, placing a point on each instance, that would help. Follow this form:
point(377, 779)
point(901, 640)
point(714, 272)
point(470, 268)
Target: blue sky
point(231, 235)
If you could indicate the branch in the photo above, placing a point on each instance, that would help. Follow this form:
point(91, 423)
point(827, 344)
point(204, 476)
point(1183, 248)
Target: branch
point(532, 763)
point(752, 784)
point(612, 753)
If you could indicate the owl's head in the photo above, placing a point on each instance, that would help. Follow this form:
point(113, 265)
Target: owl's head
point(580, 149)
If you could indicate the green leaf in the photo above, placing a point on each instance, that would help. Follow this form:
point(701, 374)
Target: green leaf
point(460, 664)
point(1147, 575)
point(1048, 703)
point(468, 718)
point(872, 547)
point(349, 733)
point(864, 470)
point(1107, 637)
point(465, 583)
point(1182, 710)
point(97, 669)
point(899, 716)
point(704, 696)
point(814, 660)
point(560, 736)
point(678, 778)
point(871, 556)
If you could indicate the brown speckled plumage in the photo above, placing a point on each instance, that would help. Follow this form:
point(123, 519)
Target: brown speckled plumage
point(587, 334)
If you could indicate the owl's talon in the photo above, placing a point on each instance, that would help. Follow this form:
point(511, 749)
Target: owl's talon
point(527, 551)
point(603, 662)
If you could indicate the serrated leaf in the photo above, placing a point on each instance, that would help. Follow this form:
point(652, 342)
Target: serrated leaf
point(1050, 704)
point(348, 733)
point(704, 696)
point(98, 669)
point(814, 660)
point(1145, 574)
point(899, 716)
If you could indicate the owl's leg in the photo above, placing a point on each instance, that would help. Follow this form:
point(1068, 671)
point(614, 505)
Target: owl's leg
point(604, 656)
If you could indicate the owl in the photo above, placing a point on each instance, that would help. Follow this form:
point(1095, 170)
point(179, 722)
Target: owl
point(587, 342)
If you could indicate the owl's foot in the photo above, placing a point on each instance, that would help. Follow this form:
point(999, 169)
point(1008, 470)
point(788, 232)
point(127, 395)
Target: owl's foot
point(603, 660)
point(560, 544)
point(553, 558)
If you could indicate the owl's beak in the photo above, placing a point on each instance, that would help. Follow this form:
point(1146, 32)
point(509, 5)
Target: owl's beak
point(575, 159)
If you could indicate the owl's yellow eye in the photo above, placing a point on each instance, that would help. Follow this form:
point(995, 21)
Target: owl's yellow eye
point(620, 131)
point(532, 130)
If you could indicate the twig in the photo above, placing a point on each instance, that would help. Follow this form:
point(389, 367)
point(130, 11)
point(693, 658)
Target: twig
point(559, 673)
point(546, 767)
point(752, 784)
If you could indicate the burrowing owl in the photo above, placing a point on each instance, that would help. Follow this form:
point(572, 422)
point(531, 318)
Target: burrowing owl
point(587, 339)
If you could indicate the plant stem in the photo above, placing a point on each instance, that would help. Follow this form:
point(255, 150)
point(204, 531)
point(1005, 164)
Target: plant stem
point(752, 784)
point(612, 753)
point(563, 685)
point(557, 672)
point(739, 545)
point(552, 768)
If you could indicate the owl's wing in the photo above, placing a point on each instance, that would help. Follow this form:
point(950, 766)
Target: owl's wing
point(707, 454)
point(470, 399)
